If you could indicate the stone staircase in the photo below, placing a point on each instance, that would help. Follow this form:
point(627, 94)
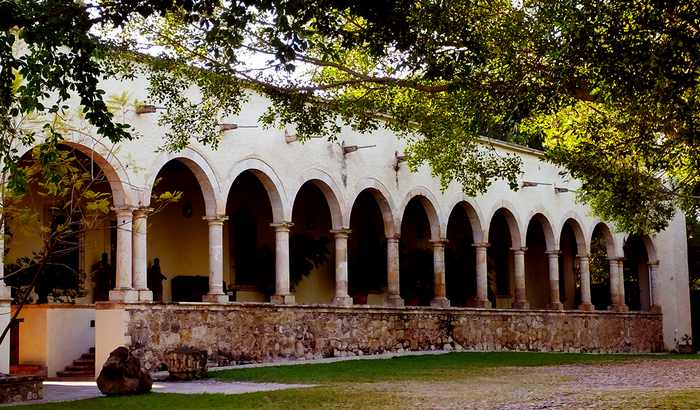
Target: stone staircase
point(82, 368)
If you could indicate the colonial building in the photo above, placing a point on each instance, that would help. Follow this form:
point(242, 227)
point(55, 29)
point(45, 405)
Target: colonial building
point(278, 249)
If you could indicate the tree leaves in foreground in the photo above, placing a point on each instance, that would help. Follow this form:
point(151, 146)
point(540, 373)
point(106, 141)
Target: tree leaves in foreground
point(608, 89)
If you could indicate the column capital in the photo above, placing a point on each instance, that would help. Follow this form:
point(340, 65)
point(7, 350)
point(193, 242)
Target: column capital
point(481, 244)
point(393, 238)
point(583, 256)
point(519, 251)
point(215, 219)
point(616, 259)
point(341, 233)
point(283, 226)
point(438, 243)
point(142, 212)
point(553, 253)
point(654, 264)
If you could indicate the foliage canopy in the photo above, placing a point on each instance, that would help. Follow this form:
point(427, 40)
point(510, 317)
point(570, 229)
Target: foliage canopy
point(610, 90)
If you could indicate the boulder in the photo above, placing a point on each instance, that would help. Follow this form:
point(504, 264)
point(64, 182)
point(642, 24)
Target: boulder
point(122, 375)
point(186, 363)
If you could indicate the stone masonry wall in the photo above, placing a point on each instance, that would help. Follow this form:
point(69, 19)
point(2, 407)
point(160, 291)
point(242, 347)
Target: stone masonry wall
point(240, 333)
point(15, 389)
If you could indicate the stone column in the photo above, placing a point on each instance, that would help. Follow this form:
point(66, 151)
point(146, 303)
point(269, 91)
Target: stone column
point(282, 293)
point(140, 263)
point(216, 259)
point(621, 283)
point(614, 285)
point(341, 268)
point(655, 288)
point(553, 259)
point(482, 278)
point(440, 299)
point(393, 297)
point(123, 290)
point(520, 295)
point(584, 268)
point(5, 308)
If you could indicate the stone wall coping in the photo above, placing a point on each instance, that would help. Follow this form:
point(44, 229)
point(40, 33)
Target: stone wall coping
point(323, 308)
point(56, 306)
point(19, 378)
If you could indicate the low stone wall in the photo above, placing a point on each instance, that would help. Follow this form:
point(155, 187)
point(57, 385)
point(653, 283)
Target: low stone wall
point(235, 333)
point(15, 389)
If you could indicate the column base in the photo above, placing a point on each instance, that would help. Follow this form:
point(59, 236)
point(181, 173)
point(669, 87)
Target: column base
point(145, 295)
point(440, 302)
point(124, 295)
point(394, 300)
point(655, 309)
point(215, 298)
point(342, 301)
point(586, 307)
point(520, 305)
point(556, 306)
point(484, 304)
point(618, 308)
point(283, 299)
point(5, 293)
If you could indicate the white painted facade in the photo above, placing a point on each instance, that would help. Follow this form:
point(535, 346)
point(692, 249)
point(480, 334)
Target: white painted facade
point(283, 167)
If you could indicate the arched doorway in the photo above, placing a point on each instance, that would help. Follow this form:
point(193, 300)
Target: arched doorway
point(251, 240)
point(81, 232)
point(311, 246)
point(503, 238)
point(537, 263)
point(460, 260)
point(178, 239)
point(367, 251)
point(637, 280)
point(416, 254)
point(602, 249)
point(572, 247)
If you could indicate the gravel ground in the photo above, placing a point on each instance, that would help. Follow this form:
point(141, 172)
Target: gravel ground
point(607, 386)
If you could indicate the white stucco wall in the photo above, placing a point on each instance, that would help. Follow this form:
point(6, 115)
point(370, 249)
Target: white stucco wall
point(5, 317)
point(288, 165)
point(53, 337)
point(70, 335)
point(112, 334)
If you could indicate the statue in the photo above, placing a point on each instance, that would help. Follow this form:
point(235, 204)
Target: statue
point(155, 280)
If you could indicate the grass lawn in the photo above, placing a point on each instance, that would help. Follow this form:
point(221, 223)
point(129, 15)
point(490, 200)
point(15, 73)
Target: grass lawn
point(427, 367)
point(455, 380)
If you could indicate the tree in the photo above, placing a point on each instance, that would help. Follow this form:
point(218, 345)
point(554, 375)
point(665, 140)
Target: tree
point(608, 89)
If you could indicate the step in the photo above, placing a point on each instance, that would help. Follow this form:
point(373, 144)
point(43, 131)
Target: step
point(84, 362)
point(92, 350)
point(80, 368)
point(88, 356)
point(72, 373)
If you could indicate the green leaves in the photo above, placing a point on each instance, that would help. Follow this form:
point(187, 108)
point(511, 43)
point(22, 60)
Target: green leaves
point(611, 90)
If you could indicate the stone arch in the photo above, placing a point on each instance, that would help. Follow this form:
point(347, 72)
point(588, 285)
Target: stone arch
point(541, 217)
point(474, 215)
point(269, 179)
point(383, 198)
point(610, 242)
point(574, 221)
point(513, 223)
point(650, 248)
point(331, 192)
point(111, 166)
point(203, 172)
point(429, 203)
